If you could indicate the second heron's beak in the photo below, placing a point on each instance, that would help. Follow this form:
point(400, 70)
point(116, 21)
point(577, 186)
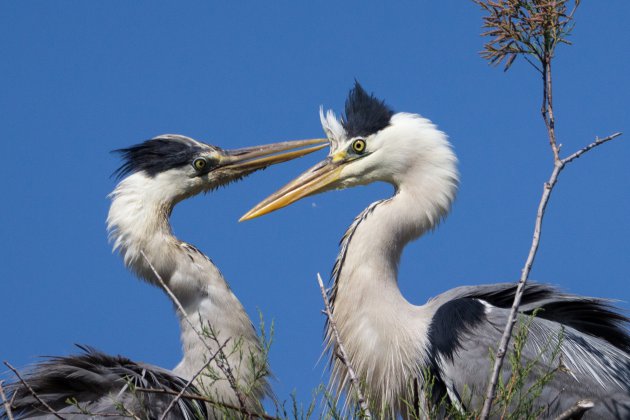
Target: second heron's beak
point(258, 157)
point(317, 179)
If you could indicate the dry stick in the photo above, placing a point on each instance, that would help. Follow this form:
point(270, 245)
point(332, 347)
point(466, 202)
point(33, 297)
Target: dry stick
point(7, 407)
point(559, 164)
point(42, 402)
point(223, 364)
point(547, 108)
point(174, 299)
point(577, 411)
point(92, 415)
point(209, 401)
point(240, 398)
point(342, 352)
point(191, 380)
point(505, 338)
point(596, 143)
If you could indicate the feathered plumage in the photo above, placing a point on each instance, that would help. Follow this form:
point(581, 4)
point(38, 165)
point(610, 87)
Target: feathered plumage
point(222, 355)
point(404, 354)
point(100, 385)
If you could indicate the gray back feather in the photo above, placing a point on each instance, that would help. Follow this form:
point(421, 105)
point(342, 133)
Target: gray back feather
point(594, 345)
point(591, 316)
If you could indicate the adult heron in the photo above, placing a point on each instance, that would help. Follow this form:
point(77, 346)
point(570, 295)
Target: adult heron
point(442, 346)
point(220, 345)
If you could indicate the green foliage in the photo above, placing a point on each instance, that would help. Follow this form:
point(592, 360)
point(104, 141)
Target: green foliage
point(517, 391)
point(515, 399)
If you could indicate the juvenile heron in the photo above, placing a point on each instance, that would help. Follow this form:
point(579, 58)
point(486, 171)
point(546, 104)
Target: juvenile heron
point(158, 174)
point(393, 344)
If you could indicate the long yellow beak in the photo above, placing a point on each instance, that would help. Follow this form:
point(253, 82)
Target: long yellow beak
point(316, 179)
point(257, 157)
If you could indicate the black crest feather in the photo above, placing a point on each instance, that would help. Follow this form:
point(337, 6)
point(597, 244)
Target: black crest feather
point(156, 155)
point(364, 114)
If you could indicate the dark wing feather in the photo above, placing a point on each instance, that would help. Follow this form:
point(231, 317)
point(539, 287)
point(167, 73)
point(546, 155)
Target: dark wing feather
point(592, 316)
point(100, 383)
point(592, 368)
point(595, 346)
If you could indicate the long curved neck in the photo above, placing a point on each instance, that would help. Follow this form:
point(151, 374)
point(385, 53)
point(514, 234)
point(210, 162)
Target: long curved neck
point(372, 246)
point(382, 332)
point(138, 222)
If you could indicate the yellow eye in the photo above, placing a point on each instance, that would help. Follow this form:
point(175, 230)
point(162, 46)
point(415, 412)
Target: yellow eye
point(358, 146)
point(199, 164)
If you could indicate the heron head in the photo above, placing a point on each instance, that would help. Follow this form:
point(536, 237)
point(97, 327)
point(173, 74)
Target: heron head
point(370, 143)
point(179, 166)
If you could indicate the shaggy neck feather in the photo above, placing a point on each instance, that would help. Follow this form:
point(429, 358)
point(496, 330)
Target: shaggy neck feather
point(374, 319)
point(138, 221)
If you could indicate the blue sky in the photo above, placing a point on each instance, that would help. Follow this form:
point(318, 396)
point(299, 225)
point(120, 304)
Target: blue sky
point(80, 79)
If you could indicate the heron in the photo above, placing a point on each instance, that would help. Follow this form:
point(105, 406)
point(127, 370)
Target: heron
point(156, 175)
point(440, 349)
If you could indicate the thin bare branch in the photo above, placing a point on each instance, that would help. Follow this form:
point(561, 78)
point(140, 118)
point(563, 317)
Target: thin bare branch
point(5, 402)
point(33, 393)
point(225, 370)
point(596, 143)
point(534, 28)
point(577, 411)
point(209, 401)
point(507, 333)
point(191, 380)
point(174, 298)
point(505, 338)
point(547, 109)
point(341, 353)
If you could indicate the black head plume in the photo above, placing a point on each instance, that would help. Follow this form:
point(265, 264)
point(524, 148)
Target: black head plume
point(157, 155)
point(365, 114)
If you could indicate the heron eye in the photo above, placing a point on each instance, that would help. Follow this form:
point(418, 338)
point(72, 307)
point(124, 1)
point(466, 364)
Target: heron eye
point(199, 164)
point(358, 146)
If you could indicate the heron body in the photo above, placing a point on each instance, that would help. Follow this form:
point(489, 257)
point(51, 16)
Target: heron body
point(441, 349)
point(190, 275)
point(158, 174)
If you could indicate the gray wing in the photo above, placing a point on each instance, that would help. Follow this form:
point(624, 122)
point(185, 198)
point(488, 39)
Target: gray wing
point(94, 384)
point(562, 340)
point(592, 316)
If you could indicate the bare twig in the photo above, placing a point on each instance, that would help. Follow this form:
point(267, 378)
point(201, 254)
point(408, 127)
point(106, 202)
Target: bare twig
point(505, 338)
point(33, 393)
point(585, 149)
point(7, 406)
point(547, 108)
point(191, 380)
point(209, 401)
point(227, 370)
point(531, 29)
point(341, 353)
point(229, 376)
point(174, 299)
point(577, 411)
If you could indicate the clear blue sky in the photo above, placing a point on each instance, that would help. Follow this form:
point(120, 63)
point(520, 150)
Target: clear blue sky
point(81, 78)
